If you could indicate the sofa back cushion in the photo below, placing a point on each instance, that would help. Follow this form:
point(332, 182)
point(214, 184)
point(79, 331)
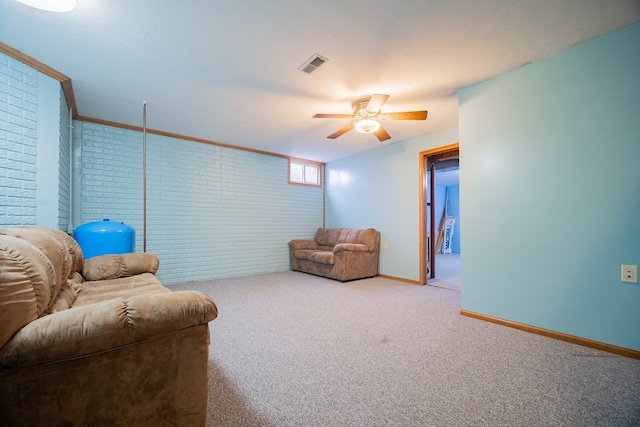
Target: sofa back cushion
point(26, 275)
point(327, 238)
point(368, 237)
point(50, 247)
point(62, 251)
point(38, 269)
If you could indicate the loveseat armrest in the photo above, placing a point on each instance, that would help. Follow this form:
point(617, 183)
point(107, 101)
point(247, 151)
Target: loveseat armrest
point(99, 327)
point(303, 244)
point(350, 247)
point(105, 267)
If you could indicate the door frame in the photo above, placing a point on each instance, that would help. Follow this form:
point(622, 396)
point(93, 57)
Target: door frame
point(438, 153)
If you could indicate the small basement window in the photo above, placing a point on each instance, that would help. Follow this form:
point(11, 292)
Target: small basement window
point(305, 172)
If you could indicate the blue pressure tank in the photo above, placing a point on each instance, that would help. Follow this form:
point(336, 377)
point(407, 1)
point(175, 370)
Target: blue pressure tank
point(105, 237)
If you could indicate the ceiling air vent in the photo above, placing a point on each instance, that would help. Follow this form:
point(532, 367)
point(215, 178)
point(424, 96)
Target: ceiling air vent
point(312, 63)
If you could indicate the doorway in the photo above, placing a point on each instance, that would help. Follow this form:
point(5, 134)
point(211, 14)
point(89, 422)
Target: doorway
point(440, 217)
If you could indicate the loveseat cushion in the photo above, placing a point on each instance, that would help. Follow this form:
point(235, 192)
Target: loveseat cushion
point(100, 290)
point(323, 257)
point(303, 244)
point(104, 267)
point(365, 236)
point(351, 247)
point(67, 295)
point(327, 238)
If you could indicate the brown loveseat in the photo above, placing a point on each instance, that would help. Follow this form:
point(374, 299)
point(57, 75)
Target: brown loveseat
point(99, 342)
point(337, 253)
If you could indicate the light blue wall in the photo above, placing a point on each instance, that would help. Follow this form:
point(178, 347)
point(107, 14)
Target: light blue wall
point(550, 190)
point(212, 212)
point(380, 189)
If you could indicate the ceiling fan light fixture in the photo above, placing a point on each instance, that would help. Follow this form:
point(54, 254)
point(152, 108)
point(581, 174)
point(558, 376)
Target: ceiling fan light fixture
point(367, 126)
point(52, 5)
point(366, 117)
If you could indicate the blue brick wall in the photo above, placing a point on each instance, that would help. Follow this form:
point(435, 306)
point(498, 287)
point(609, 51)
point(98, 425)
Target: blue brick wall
point(64, 167)
point(18, 138)
point(212, 212)
point(111, 175)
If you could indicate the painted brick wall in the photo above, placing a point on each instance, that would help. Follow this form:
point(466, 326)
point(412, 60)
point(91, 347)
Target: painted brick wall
point(64, 167)
point(212, 212)
point(18, 138)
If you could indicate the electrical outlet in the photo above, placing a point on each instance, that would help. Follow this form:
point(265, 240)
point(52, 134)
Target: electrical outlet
point(384, 245)
point(629, 273)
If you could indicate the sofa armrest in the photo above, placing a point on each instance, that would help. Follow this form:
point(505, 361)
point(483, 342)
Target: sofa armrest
point(100, 327)
point(105, 267)
point(303, 244)
point(351, 247)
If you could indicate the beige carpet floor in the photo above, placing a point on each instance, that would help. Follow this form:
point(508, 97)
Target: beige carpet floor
point(291, 349)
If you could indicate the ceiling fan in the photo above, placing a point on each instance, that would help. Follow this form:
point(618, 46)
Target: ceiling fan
point(367, 116)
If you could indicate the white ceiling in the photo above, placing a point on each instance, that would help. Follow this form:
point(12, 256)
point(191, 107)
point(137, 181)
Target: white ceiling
point(226, 71)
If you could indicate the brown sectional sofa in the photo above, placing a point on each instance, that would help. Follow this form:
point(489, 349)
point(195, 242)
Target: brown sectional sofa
point(337, 253)
point(96, 342)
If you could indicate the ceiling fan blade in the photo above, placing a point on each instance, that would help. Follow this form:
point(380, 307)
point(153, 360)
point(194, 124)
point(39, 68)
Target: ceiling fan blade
point(342, 131)
point(333, 116)
point(405, 115)
point(376, 102)
point(382, 134)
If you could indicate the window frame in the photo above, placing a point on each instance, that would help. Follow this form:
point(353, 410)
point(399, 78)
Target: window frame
point(304, 163)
